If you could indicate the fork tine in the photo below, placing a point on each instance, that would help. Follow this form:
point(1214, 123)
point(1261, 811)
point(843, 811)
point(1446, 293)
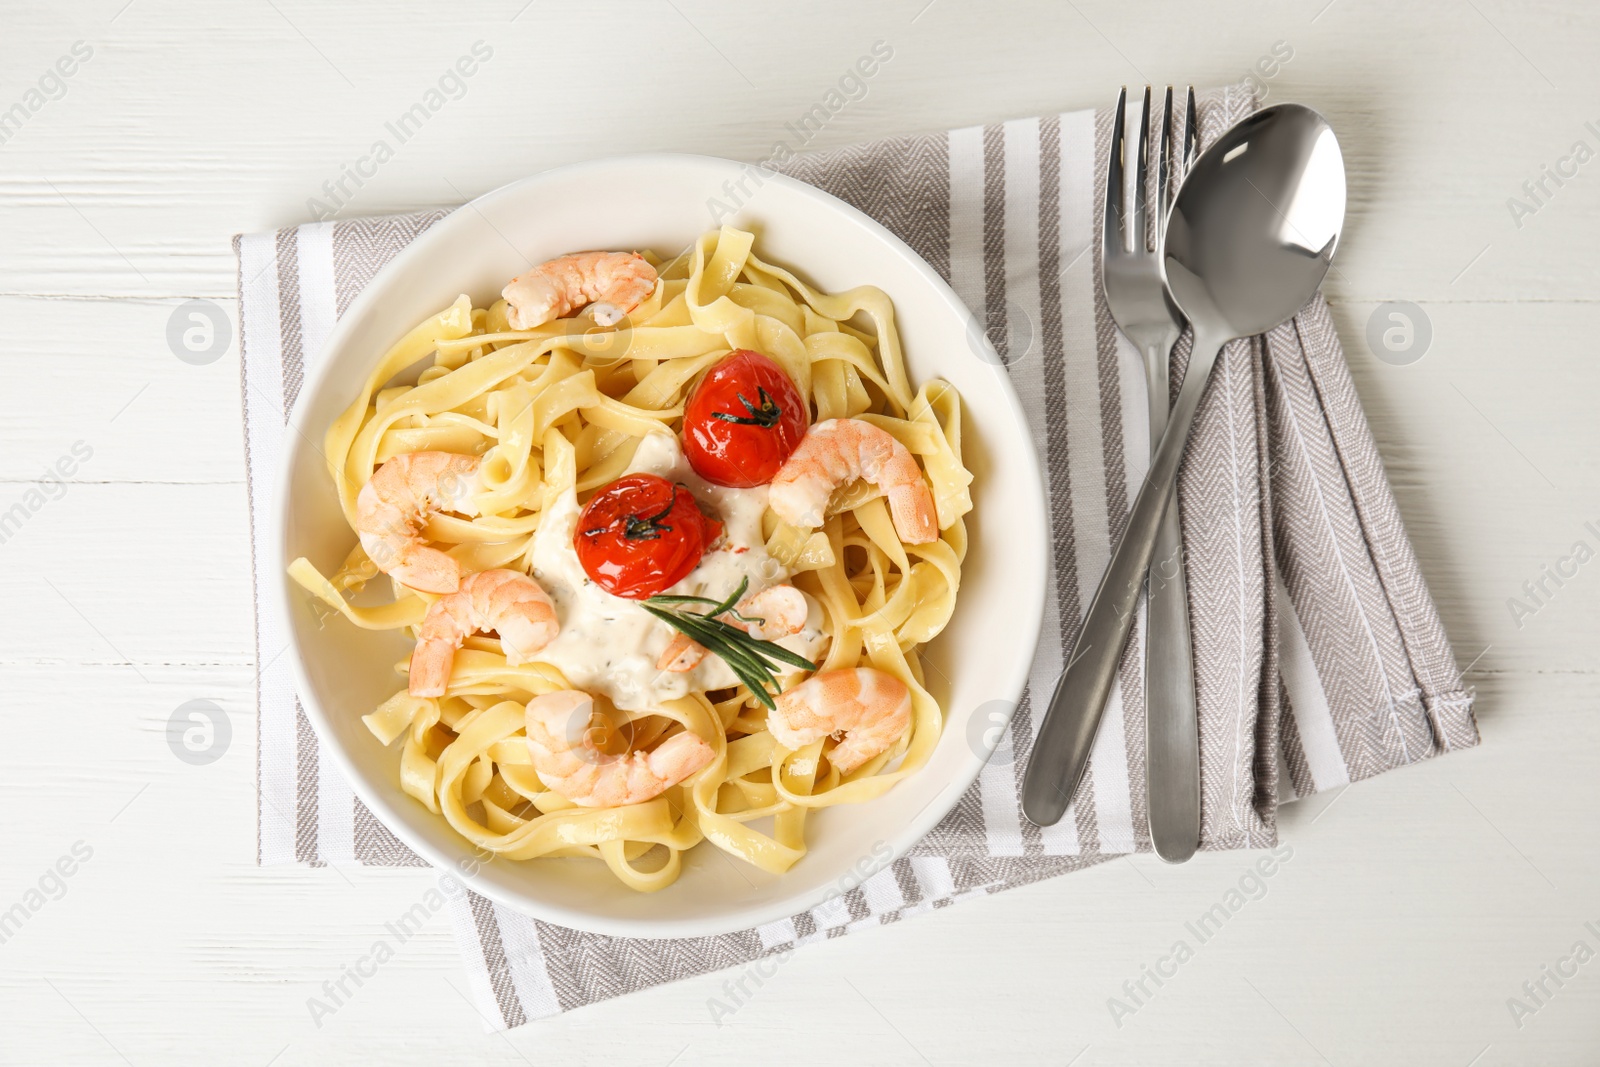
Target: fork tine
point(1111, 228)
point(1164, 173)
point(1191, 133)
point(1141, 188)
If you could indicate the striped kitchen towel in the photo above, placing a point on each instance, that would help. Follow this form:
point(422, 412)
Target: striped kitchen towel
point(1320, 656)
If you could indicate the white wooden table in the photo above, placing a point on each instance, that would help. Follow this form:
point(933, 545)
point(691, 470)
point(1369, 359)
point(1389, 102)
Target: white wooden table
point(1413, 908)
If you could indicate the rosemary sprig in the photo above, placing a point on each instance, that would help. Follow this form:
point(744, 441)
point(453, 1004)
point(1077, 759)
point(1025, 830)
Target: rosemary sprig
point(718, 607)
point(753, 661)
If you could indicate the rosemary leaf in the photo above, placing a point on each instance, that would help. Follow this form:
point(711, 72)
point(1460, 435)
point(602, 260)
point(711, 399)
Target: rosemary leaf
point(765, 649)
point(662, 598)
point(733, 598)
point(732, 653)
point(754, 662)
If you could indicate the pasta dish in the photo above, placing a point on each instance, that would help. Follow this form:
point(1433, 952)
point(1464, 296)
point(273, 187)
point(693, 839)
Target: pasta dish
point(668, 537)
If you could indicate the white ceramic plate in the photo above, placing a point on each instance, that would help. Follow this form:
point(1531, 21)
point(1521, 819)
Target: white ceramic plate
point(976, 668)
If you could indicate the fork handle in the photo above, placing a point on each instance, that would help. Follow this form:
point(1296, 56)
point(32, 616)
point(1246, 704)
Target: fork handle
point(1172, 725)
point(1066, 734)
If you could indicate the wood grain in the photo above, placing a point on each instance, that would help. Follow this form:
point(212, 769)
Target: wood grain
point(1413, 907)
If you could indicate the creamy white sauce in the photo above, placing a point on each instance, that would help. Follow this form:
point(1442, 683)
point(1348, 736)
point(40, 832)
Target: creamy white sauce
point(609, 644)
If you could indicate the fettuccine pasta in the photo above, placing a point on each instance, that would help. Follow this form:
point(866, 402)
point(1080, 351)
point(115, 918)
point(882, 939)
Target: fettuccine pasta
point(543, 425)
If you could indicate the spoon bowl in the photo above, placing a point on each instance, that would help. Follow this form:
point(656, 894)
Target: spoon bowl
point(1250, 238)
point(1254, 227)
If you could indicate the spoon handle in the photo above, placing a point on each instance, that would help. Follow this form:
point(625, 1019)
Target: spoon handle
point(1061, 750)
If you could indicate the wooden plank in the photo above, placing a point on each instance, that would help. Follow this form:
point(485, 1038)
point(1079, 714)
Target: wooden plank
point(132, 182)
point(101, 375)
point(1455, 882)
point(132, 574)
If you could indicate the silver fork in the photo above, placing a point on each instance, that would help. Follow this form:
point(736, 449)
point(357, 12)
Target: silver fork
point(1136, 294)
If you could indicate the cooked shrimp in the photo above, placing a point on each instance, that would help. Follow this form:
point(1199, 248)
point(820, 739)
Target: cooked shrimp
point(871, 708)
point(568, 762)
point(508, 603)
point(393, 506)
point(777, 611)
point(615, 282)
point(837, 452)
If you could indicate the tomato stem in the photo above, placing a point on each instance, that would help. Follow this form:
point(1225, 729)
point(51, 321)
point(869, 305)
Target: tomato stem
point(766, 416)
point(643, 528)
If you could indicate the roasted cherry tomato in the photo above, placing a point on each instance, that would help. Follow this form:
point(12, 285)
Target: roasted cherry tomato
point(742, 421)
point(641, 534)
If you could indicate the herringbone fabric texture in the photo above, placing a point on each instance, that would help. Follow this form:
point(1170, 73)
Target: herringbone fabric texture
point(1317, 647)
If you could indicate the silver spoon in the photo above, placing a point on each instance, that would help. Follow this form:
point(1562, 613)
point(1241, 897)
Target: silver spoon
point(1250, 237)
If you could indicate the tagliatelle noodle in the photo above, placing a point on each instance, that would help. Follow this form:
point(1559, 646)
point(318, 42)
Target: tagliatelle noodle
point(563, 407)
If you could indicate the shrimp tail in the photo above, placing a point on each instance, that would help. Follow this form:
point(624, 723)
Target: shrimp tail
point(683, 653)
point(431, 663)
point(677, 757)
point(911, 509)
